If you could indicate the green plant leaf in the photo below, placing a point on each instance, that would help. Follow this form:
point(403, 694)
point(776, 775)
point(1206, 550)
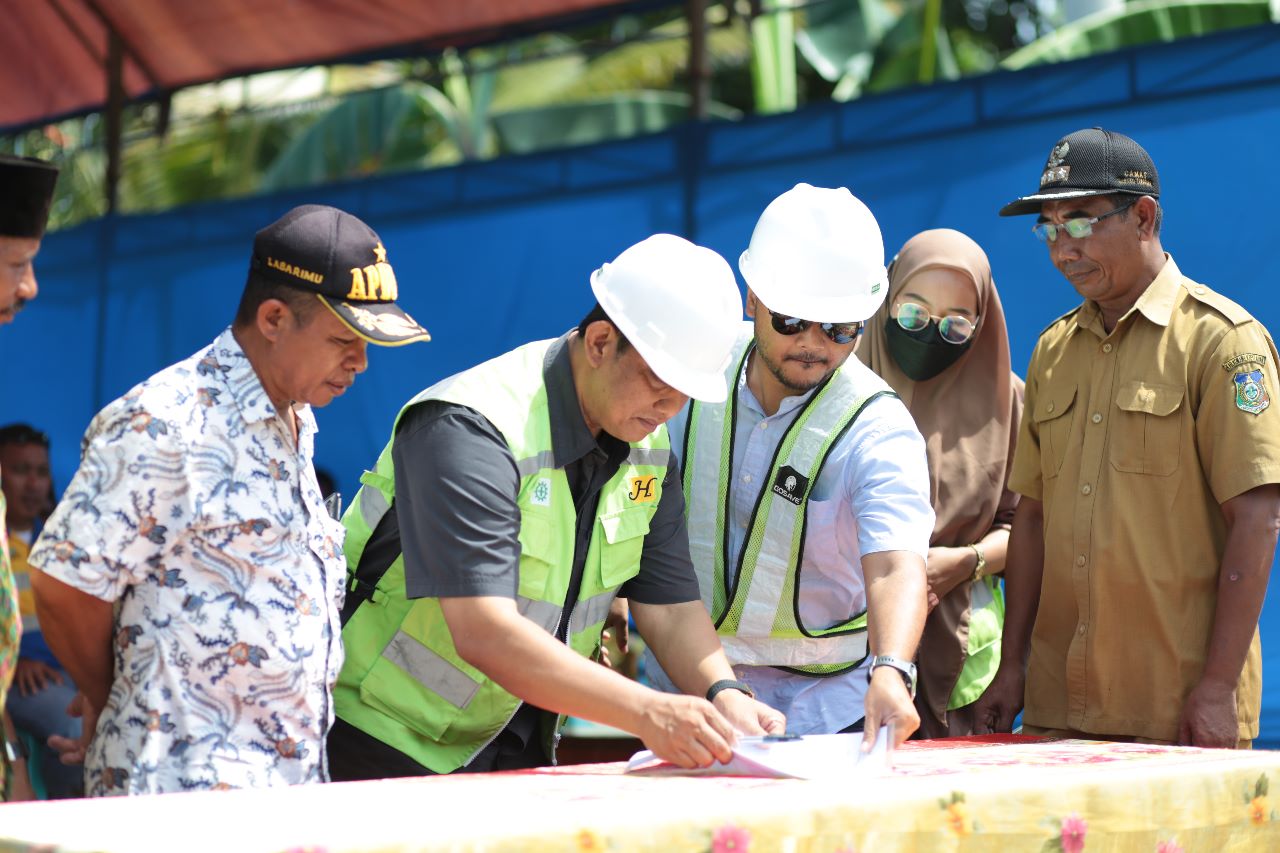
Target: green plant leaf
point(353, 138)
point(586, 122)
point(1138, 23)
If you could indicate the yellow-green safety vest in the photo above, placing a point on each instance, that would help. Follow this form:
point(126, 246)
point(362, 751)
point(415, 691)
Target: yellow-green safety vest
point(403, 681)
point(755, 603)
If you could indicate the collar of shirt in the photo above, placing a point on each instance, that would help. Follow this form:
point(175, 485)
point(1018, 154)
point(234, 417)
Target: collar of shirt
point(227, 363)
point(1155, 303)
point(570, 438)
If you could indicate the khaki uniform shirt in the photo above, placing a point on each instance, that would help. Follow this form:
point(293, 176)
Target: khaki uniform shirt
point(1132, 441)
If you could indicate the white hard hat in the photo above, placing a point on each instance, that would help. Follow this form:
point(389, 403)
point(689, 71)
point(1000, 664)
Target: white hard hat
point(679, 306)
point(817, 254)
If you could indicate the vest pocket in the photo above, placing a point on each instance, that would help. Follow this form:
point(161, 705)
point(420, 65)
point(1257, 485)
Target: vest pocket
point(538, 554)
point(1146, 437)
point(624, 530)
point(396, 682)
point(1054, 414)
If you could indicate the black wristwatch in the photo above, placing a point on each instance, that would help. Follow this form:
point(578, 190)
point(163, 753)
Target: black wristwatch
point(905, 668)
point(728, 684)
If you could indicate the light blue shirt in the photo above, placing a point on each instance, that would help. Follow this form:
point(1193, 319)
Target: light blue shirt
point(872, 495)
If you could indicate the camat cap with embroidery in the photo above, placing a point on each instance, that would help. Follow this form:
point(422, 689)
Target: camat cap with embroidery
point(28, 192)
point(1091, 162)
point(342, 260)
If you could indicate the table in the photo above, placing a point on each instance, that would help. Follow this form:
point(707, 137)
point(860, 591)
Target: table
point(970, 794)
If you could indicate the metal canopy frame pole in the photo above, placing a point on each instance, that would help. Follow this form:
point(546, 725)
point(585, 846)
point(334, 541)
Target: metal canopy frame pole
point(114, 117)
point(699, 72)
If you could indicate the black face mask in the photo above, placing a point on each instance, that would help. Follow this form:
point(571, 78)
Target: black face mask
point(922, 354)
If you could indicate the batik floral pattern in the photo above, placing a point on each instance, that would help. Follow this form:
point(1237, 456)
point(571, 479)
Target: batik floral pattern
point(193, 512)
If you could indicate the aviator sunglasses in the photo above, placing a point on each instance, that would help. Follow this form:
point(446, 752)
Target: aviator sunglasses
point(840, 333)
point(954, 328)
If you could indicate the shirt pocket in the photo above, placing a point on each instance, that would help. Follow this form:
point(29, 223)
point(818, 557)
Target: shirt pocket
point(1146, 437)
point(1054, 416)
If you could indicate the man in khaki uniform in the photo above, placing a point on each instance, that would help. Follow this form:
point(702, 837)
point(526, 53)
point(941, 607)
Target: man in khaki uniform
point(1149, 464)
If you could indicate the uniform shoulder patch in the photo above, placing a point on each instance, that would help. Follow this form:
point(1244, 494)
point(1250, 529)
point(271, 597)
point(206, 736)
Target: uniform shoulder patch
point(1236, 315)
point(1251, 391)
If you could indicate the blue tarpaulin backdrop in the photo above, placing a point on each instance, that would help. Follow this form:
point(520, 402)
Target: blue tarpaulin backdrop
point(494, 254)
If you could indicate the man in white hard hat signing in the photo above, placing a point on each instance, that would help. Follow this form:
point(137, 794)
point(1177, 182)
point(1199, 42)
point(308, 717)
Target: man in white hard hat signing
point(808, 493)
point(514, 502)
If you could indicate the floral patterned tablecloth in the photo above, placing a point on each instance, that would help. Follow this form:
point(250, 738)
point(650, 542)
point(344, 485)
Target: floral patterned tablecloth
point(971, 794)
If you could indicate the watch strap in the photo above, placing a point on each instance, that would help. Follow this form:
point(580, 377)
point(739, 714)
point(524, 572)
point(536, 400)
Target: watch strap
point(905, 668)
point(729, 684)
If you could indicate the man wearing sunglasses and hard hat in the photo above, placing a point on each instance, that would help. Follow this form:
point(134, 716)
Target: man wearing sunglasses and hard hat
point(1148, 464)
point(514, 501)
point(809, 513)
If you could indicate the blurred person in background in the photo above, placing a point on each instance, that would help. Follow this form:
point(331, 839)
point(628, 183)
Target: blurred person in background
point(41, 689)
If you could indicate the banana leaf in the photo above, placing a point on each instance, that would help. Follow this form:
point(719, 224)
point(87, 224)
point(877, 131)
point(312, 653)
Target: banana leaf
point(1138, 23)
point(597, 120)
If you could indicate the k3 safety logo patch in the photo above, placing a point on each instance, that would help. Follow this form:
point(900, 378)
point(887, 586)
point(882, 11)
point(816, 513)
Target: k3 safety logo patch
point(542, 492)
point(643, 490)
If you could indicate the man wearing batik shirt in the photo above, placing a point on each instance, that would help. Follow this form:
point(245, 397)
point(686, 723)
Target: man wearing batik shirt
point(191, 579)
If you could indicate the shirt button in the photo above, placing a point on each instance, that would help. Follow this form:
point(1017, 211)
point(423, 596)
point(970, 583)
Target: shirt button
point(1080, 630)
point(1080, 560)
point(1097, 417)
point(1086, 489)
point(764, 425)
point(1199, 291)
point(1106, 347)
point(746, 478)
point(1049, 408)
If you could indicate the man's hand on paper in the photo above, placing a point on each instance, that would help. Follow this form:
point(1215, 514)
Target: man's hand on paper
point(888, 703)
point(749, 716)
point(686, 730)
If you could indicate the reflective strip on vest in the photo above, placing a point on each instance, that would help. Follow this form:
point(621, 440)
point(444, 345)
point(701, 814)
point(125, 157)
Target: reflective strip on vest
point(656, 456)
point(430, 670)
point(533, 464)
point(753, 601)
point(543, 613)
point(373, 506)
point(590, 612)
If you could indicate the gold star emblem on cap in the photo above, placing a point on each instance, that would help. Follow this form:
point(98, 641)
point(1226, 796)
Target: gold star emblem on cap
point(379, 253)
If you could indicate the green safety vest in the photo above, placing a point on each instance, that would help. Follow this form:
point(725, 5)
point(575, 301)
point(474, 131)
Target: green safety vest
point(403, 681)
point(755, 608)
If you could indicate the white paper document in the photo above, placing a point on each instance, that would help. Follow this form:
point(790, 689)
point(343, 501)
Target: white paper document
point(785, 757)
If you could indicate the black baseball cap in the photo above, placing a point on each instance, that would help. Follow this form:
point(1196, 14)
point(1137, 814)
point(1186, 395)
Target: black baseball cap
point(336, 256)
point(1091, 162)
point(28, 192)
